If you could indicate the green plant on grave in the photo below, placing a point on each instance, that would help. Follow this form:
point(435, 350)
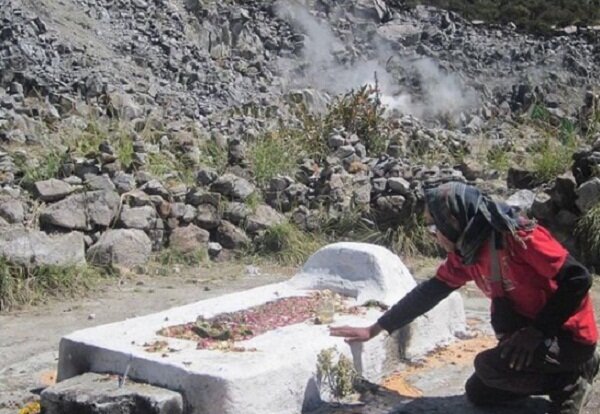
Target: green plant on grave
point(337, 372)
point(587, 233)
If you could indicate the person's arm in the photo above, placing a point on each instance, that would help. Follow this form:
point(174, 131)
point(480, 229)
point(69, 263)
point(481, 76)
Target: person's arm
point(416, 302)
point(574, 281)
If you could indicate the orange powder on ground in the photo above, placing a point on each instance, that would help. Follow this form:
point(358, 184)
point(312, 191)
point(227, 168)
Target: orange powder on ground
point(461, 352)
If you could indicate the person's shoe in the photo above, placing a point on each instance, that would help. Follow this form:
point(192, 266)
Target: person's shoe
point(573, 398)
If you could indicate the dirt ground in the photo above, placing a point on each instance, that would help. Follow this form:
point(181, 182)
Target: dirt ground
point(29, 340)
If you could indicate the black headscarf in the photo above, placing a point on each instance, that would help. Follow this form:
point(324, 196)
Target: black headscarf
point(467, 218)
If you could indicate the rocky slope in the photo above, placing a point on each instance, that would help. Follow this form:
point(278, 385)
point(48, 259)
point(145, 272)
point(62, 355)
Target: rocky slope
point(131, 125)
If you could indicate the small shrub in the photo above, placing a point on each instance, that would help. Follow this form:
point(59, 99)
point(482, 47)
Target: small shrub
point(337, 372)
point(360, 112)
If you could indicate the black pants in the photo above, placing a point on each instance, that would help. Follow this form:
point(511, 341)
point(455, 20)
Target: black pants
point(553, 369)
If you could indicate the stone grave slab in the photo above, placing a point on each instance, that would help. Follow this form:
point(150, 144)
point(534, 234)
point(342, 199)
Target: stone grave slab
point(276, 371)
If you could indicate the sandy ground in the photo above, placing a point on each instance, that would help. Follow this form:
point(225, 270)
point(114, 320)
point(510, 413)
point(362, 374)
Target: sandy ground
point(29, 341)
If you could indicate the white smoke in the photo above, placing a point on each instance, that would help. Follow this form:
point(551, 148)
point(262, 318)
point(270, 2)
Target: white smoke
point(441, 93)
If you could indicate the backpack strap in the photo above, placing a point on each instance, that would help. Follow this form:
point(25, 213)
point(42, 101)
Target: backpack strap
point(496, 280)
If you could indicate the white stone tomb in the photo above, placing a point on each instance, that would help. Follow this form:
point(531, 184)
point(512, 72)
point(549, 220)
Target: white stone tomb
point(280, 376)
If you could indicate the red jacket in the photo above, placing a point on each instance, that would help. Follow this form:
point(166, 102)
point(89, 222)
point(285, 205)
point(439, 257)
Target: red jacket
point(528, 274)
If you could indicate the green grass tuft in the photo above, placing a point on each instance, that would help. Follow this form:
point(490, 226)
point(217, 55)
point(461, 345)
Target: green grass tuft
point(287, 244)
point(24, 285)
point(587, 233)
point(273, 155)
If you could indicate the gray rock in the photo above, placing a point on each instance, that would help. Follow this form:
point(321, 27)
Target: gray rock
point(98, 183)
point(208, 216)
point(142, 218)
point(123, 182)
point(588, 194)
point(199, 196)
point(154, 187)
point(563, 191)
point(52, 189)
point(263, 218)
point(335, 141)
point(93, 393)
point(214, 249)
point(36, 248)
point(379, 184)
point(236, 212)
point(521, 179)
point(83, 211)
point(233, 186)
point(206, 176)
point(522, 199)
point(399, 185)
point(280, 183)
point(231, 237)
point(178, 210)
point(12, 211)
point(122, 247)
point(188, 239)
point(543, 208)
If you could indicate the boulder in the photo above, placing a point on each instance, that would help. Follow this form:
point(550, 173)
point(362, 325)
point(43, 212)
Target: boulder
point(122, 247)
point(12, 211)
point(52, 190)
point(188, 239)
point(36, 248)
point(93, 393)
point(233, 186)
point(231, 237)
point(588, 194)
point(83, 211)
point(142, 218)
point(264, 217)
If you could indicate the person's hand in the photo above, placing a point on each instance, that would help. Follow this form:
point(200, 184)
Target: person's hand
point(355, 334)
point(520, 347)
